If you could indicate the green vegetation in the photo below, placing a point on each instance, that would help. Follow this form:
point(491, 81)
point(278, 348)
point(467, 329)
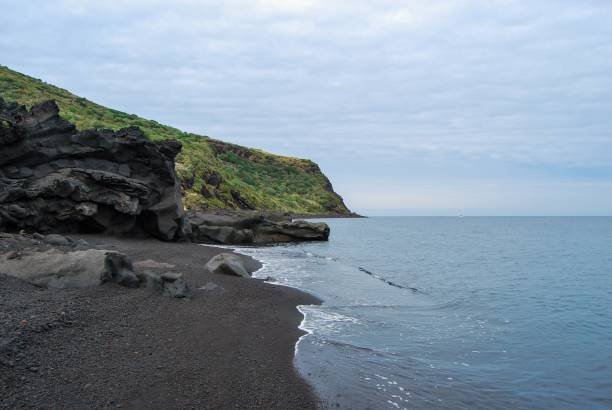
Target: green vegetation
point(261, 180)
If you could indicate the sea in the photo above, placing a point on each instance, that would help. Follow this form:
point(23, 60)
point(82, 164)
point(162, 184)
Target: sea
point(454, 313)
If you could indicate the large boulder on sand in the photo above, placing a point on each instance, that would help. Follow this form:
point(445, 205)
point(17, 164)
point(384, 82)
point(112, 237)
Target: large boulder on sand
point(227, 264)
point(54, 178)
point(62, 270)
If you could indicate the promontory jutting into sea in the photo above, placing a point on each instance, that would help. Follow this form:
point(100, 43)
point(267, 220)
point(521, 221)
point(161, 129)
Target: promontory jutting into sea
point(304, 204)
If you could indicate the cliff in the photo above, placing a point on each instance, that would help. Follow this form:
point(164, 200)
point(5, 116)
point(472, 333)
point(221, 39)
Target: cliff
point(214, 174)
point(54, 178)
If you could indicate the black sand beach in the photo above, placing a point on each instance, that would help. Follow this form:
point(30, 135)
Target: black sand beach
point(229, 346)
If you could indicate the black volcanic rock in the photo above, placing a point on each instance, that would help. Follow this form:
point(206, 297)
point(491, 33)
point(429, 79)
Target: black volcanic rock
point(253, 228)
point(56, 179)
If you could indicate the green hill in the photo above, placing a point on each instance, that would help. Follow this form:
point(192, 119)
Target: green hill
point(214, 174)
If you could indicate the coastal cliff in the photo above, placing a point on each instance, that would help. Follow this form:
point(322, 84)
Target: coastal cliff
point(214, 174)
point(54, 178)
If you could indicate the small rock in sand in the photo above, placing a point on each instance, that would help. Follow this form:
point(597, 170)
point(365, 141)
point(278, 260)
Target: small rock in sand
point(209, 286)
point(227, 264)
point(150, 280)
point(58, 240)
point(174, 285)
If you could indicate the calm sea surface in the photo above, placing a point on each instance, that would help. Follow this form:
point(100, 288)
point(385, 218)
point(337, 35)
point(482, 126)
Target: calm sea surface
point(455, 313)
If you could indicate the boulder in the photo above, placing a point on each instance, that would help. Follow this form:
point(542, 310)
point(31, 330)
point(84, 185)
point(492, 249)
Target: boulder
point(58, 240)
point(150, 280)
point(174, 285)
point(55, 179)
point(209, 286)
point(171, 283)
point(253, 228)
point(227, 264)
point(64, 270)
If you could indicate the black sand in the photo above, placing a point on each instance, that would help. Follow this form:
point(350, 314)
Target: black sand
point(114, 347)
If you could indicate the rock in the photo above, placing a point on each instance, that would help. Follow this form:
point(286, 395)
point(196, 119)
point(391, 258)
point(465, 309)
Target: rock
point(58, 240)
point(171, 283)
point(227, 264)
point(150, 280)
point(171, 276)
point(291, 231)
point(221, 234)
point(151, 264)
point(56, 179)
point(174, 285)
point(177, 289)
point(209, 286)
point(63, 270)
point(253, 228)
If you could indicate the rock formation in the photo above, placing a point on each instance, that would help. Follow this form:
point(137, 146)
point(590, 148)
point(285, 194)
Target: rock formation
point(56, 179)
point(227, 264)
point(59, 262)
point(253, 228)
point(64, 270)
point(172, 284)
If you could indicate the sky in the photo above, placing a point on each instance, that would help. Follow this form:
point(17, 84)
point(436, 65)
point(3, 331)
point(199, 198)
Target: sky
point(473, 107)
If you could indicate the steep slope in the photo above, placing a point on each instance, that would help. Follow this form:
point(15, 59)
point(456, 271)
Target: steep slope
point(214, 174)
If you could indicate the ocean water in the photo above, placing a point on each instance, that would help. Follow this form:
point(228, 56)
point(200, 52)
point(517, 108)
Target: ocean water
point(455, 313)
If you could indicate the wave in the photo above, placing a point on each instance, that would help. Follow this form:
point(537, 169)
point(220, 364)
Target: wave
point(390, 283)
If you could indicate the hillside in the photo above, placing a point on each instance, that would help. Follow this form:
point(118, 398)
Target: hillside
point(214, 174)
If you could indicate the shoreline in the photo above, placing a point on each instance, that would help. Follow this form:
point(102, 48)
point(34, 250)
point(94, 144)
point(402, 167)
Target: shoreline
point(134, 348)
point(316, 300)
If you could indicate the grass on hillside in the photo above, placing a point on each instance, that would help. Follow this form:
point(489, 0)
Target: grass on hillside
point(265, 181)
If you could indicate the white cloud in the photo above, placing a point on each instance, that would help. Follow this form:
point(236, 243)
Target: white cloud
point(529, 83)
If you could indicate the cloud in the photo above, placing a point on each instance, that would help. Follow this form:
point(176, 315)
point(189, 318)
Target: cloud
point(475, 81)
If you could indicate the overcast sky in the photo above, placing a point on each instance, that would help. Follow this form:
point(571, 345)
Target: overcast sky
point(471, 107)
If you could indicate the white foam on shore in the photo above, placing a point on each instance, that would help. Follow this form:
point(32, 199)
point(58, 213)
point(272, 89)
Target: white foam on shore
point(265, 264)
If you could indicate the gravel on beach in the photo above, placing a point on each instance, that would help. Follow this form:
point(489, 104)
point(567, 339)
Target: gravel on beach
point(230, 345)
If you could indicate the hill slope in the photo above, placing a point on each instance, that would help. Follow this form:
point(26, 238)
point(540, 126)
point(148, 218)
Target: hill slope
point(214, 174)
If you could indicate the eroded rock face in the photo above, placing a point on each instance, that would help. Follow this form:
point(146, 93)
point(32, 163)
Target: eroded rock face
point(56, 179)
point(253, 228)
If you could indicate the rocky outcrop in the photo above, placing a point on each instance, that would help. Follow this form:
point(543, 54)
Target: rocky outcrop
point(291, 231)
point(69, 270)
point(227, 264)
point(253, 228)
point(56, 179)
point(59, 262)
